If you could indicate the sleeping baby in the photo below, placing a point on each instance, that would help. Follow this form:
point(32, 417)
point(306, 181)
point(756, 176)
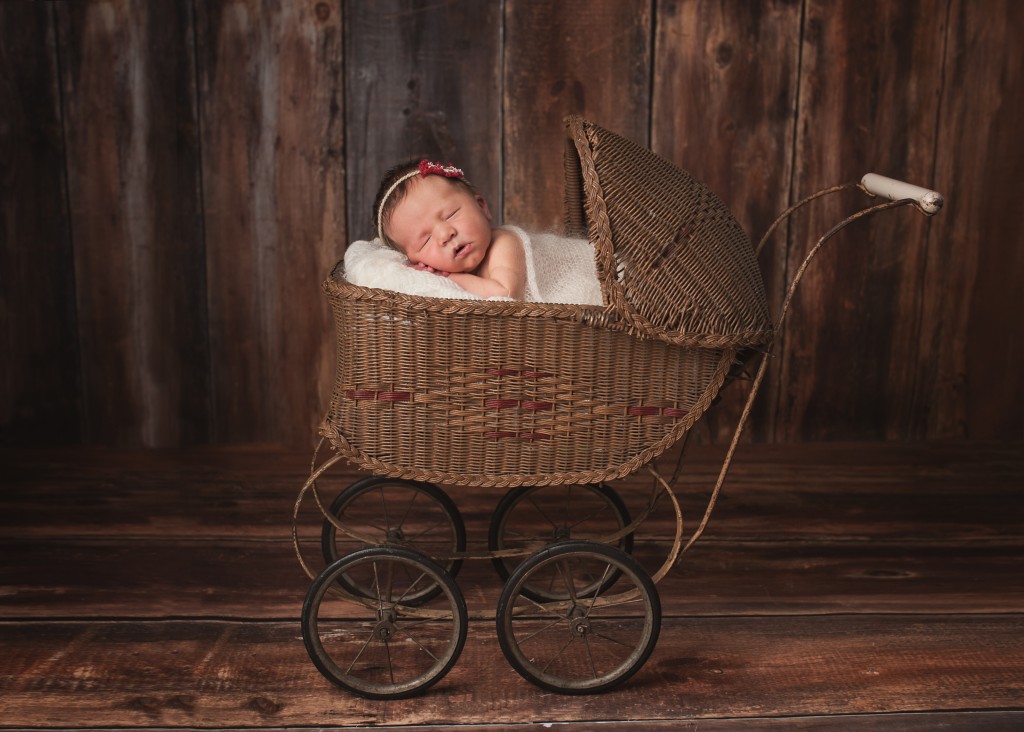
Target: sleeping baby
point(431, 213)
point(435, 239)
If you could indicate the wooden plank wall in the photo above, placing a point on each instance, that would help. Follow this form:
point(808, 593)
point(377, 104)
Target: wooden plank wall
point(177, 178)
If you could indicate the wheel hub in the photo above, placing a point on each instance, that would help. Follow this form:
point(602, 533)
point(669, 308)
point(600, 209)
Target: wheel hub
point(385, 626)
point(579, 624)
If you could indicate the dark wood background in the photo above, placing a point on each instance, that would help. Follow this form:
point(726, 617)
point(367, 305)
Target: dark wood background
point(177, 178)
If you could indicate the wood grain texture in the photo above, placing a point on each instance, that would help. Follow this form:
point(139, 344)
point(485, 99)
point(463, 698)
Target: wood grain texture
point(972, 335)
point(39, 387)
point(869, 92)
point(180, 673)
point(725, 88)
point(422, 81)
point(103, 577)
point(968, 721)
point(824, 599)
point(270, 84)
point(799, 530)
point(132, 159)
point(823, 492)
point(578, 57)
point(176, 180)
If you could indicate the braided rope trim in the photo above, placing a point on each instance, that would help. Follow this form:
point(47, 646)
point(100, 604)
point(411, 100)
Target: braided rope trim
point(590, 315)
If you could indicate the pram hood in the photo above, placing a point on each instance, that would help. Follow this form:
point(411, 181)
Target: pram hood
point(674, 263)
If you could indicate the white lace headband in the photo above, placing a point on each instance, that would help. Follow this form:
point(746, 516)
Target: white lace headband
point(424, 169)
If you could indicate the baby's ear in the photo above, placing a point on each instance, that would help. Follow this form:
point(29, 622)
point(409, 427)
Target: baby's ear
point(482, 203)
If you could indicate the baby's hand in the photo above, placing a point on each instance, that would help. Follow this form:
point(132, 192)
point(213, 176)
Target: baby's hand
point(427, 268)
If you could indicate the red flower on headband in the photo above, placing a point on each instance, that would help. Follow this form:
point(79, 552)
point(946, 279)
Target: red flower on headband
point(448, 170)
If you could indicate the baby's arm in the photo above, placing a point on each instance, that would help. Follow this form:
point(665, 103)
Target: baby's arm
point(503, 271)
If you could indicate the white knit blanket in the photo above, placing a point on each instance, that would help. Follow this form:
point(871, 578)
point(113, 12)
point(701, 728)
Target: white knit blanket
point(559, 269)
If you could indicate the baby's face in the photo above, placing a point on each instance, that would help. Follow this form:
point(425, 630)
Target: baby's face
point(442, 225)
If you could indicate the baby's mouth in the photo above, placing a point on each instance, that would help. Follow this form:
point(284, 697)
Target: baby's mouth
point(459, 250)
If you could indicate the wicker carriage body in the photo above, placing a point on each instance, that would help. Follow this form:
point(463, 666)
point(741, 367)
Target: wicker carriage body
point(505, 394)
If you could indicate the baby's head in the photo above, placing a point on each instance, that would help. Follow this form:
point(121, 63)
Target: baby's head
point(431, 213)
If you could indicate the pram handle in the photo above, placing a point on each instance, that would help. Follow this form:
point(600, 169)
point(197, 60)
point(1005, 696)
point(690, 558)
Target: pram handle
point(928, 201)
point(899, 194)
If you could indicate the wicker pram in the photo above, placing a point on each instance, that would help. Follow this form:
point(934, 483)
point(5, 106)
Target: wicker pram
point(480, 393)
point(435, 392)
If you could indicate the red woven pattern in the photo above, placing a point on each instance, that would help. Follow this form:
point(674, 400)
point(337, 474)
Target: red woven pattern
point(464, 392)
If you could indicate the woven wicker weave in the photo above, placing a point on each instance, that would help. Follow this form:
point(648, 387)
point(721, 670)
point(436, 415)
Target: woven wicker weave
point(504, 394)
point(674, 262)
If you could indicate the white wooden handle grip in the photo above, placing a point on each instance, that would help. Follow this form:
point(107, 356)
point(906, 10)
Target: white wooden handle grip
point(896, 190)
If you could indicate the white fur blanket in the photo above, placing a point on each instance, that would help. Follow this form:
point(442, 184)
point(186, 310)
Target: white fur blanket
point(559, 269)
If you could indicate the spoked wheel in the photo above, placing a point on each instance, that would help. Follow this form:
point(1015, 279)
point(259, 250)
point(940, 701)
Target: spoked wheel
point(531, 517)
point(586, 644)
point(380, 646)
point(396, 512)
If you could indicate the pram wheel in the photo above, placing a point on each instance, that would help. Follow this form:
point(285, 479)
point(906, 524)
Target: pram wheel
point(396, 512)
point(531, 517)
point(380, 646)
point(584, 644)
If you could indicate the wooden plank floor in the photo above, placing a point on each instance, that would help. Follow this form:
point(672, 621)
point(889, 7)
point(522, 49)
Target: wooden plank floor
point(838, 586)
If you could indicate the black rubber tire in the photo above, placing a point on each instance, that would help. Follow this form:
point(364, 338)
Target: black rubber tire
point(375, 492)
point(615, 639)
point(351, 648)
point(560, 528)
